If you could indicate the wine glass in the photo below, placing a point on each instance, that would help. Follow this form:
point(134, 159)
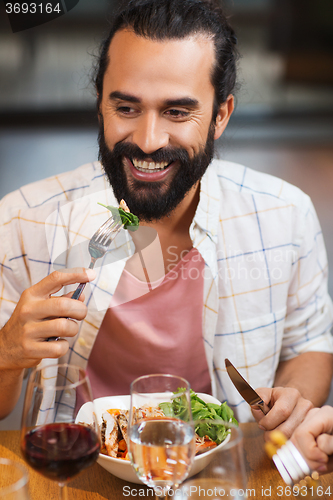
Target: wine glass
point(53, 441)
point(13, 480)
point(161, 445)
point(223, 469)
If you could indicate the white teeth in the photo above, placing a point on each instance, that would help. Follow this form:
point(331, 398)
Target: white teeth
point(145, 166)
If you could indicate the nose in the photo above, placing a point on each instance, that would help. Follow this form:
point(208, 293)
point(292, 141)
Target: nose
point(149, 134)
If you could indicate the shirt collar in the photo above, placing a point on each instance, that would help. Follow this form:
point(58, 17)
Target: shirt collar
point(208, 210)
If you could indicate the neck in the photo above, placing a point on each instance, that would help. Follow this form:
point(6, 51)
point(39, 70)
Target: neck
point(173, 239)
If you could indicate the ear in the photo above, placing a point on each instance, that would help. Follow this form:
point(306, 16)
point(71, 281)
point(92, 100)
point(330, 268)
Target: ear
point(223, 115)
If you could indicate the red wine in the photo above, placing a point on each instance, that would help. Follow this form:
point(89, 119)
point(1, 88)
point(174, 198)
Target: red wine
point(60, 451)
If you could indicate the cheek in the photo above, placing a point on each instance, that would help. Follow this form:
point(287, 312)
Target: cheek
point(115, 130)
point(192, 138)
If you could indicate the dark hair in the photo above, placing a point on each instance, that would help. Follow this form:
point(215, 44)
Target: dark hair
point(177, 19)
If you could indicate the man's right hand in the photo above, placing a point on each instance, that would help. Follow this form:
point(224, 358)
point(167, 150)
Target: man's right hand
point(38, 316)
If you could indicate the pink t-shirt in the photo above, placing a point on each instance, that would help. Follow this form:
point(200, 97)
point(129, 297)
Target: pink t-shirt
point(156, 330)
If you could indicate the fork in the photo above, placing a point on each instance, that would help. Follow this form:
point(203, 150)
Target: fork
point(98, 246)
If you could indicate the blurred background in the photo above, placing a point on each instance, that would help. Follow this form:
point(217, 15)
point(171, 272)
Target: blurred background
point(282, 125)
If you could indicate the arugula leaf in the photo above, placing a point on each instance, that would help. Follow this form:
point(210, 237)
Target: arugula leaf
point(130, 221)
point(177, 408)
point(167, 409)
point(202, 411)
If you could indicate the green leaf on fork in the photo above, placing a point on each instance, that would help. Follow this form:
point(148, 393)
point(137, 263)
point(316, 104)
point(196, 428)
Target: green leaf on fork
point(129, 220)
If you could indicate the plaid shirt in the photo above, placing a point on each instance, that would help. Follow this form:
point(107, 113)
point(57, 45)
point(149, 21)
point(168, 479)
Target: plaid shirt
point(265, 287)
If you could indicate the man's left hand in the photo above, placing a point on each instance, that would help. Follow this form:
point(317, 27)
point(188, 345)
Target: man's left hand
point(288, 409)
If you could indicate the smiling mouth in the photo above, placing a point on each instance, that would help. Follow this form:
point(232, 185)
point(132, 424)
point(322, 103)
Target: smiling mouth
point(149, 166)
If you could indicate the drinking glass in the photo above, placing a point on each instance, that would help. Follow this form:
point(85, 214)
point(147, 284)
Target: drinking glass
point(53, 442)
point(13, 480)
point(161, 448)
point(223, 469)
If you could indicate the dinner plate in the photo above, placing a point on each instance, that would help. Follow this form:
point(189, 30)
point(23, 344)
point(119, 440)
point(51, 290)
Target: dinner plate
point(123, 468)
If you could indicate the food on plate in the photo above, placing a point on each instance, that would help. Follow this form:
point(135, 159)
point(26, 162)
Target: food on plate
point(122, 213)
point(114, 429)
point(115, 423)
point(207, 435)
point(109, 434)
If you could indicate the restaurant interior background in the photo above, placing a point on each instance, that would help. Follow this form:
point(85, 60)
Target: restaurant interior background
point(282, 125)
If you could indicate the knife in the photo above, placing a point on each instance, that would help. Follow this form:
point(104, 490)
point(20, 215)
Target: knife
point(244, 389)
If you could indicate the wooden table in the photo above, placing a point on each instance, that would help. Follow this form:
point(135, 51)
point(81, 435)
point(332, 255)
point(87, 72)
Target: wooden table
point(96, 483)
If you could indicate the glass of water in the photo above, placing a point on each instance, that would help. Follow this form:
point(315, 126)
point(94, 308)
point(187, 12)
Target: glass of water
point(161, 431)
point(13, 480)
point(222, 473)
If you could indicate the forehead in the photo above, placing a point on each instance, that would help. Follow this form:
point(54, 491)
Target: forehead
point(165, 67)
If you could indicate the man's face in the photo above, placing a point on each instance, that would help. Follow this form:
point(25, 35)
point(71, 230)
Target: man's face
point(156, 132)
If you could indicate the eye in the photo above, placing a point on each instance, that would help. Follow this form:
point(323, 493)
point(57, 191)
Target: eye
point(126, 110)
point(177, 113)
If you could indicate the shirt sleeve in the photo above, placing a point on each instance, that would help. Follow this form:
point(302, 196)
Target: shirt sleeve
point(10, 288)
point(309, 307)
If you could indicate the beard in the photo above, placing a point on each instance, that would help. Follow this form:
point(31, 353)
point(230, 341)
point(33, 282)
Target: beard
point(153, 200)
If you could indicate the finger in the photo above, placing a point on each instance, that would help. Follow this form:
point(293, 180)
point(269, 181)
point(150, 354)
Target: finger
point(280, 412)
point(56, 280)
point(296, 417)
point(316, 465)
point(41, 350)
point(325, 443)
point(69, 295)
point(310, 415)
point(265, 394)
point(320, 422)
point(288, 410)
point(257, 414)
point(317, 423)
point(306, 443)
point(314, 457)
point(61, 307)
point(58, 327)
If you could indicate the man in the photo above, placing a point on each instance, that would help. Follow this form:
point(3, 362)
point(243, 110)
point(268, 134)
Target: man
point(238, 269)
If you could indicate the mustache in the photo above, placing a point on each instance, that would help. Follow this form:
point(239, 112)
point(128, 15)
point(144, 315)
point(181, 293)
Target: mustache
point(167, 154)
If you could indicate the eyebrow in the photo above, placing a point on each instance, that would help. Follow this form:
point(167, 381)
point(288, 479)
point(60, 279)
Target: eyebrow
point(182, 101)
point(121, 96)
point(188, 102)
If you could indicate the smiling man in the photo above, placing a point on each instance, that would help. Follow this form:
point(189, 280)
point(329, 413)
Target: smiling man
point(157, 129)
point(227, 262)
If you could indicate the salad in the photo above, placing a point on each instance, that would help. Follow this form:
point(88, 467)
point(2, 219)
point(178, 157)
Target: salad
point(208, 435)
point(122, 214)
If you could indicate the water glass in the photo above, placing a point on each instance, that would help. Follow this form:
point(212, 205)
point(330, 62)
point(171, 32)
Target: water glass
point(223, 468)
point(13, 480)
point(161, 433)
